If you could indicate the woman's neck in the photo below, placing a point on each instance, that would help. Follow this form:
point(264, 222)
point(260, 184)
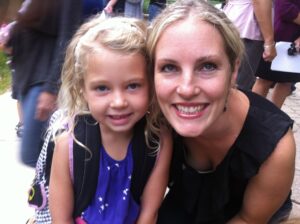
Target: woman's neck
point(205, 152)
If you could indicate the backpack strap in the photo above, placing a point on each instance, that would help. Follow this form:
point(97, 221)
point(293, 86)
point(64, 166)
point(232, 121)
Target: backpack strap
point(86, 166)
point(85, 163)
point(43, 166)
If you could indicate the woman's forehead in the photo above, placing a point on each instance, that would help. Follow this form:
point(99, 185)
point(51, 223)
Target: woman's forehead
point(191, 35)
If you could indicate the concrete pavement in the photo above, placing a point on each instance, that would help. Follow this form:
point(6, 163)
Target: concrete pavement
point(16, 178)
point(292, 108)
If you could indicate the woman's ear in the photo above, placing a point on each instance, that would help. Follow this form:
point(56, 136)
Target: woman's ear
point(235, 71)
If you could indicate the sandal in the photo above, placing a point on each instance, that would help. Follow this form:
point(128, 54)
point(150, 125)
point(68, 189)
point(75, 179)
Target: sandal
point(19, 129)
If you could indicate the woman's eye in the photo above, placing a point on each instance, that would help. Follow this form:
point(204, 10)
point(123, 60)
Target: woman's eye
point(133, 86)
point(208, 67)
point(168, 68)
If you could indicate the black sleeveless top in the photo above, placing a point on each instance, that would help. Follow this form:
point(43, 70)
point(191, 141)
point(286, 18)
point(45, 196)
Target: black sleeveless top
point(215, 197)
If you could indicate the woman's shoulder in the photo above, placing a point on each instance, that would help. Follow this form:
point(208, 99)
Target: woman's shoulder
point(262, 106)
point(264, 127)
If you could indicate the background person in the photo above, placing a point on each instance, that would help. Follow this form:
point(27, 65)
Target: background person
point(253, 18)
point(287, 28)
point(155, 7)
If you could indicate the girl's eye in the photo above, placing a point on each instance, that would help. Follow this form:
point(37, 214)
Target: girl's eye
point(133, 86)
point(168, 68)
point(208, 67)
point(102, 88)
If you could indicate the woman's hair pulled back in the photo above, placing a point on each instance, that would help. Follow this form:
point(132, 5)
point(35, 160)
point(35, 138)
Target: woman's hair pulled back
point(180, 11)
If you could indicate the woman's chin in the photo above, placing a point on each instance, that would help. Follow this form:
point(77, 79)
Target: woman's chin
point(188, 132)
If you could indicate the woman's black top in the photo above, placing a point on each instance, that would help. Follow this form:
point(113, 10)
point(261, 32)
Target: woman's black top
point(215, 197)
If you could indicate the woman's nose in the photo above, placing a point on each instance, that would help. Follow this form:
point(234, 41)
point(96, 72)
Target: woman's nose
point(187, 87)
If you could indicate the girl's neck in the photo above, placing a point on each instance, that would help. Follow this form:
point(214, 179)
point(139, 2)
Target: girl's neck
point(116, 143)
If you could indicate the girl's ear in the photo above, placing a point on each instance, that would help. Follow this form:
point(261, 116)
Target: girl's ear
point(83, 93)
point(235, 71)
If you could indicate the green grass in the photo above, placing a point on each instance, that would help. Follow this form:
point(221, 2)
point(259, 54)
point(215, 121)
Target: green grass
point(5, 75)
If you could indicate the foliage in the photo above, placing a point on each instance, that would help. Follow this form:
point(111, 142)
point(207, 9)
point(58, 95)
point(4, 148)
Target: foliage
point(5, 75)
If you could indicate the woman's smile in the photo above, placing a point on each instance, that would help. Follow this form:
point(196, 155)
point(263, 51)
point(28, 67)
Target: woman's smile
point(190, 111)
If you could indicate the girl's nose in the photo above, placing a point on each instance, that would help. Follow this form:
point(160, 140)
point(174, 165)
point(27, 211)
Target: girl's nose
point(119, 101)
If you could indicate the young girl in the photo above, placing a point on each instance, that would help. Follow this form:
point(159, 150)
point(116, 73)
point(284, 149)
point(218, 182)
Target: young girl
point(105, 82)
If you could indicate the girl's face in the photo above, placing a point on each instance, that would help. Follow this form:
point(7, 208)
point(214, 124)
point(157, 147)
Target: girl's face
point(192, 76)
point(116, 89)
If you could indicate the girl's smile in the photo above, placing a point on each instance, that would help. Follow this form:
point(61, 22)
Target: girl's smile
point(121, 119)
point(117, 96)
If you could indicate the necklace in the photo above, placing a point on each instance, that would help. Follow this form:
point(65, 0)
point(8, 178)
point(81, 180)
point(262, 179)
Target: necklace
point(186, 161)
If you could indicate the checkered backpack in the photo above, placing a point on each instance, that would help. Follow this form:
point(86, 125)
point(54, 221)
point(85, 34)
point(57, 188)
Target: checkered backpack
point(39, 191)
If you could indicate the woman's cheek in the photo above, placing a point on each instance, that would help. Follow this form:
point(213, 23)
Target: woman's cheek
point(163, 88)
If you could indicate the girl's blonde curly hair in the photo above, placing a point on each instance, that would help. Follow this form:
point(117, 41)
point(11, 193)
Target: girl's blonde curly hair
point(119, 34)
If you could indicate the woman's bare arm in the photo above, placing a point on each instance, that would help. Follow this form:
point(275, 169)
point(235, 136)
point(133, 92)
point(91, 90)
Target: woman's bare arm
point(267, 191)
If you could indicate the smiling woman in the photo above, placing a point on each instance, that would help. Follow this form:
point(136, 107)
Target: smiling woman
point(234, 152)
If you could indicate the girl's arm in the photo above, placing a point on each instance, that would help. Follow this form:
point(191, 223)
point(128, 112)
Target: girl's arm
point(267, 191)
point(157, 183)
point(61, 199)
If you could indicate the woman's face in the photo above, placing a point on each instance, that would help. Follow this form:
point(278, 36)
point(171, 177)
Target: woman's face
point(192, 76)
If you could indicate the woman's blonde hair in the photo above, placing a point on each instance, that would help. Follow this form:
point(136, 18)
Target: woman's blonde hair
point(119, 34)
point(179, 11)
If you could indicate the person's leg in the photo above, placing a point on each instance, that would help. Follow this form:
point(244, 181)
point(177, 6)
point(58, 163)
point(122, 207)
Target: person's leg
point(153, 11)
point(134, 10)
point(33, 129)
point(19, 126)
point(280, 92)
point(262, 86)
point(293, 87)
point(246, 74)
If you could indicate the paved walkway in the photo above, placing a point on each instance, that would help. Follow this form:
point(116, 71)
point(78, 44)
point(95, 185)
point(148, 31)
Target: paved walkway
point(292, 108)
point(16, 178)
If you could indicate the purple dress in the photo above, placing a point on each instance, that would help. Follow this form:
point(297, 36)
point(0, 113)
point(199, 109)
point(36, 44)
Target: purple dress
point(284, 27)
point(113, 202)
